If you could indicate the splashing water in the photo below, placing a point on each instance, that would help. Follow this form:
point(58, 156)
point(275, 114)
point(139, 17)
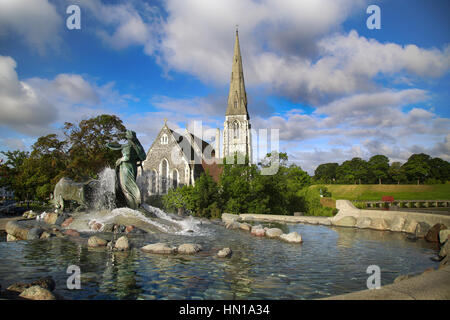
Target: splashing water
point(105, 191)
point(188, 225)
point(105, 212)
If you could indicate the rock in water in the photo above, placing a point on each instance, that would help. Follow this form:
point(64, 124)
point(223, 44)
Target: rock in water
point(34, 233)
point(158, 248)
point(71, 232)
point(292, 237)
point(273, 232)
point(95, 241)
point(122, 244)
point(37, 293)
point(225, 252)
point(433, 234)
point(189, 248)
point(245, 226)
point(67, 222)
point(46, 283)
point(258, 231)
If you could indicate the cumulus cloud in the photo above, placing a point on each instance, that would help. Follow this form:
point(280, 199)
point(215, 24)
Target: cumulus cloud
point(37, 22)
point(38, 106)
point(21, 106)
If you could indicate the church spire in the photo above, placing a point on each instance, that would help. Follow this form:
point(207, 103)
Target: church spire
point(237, 97)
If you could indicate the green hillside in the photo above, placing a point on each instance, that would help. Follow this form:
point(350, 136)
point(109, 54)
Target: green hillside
point(399, 192)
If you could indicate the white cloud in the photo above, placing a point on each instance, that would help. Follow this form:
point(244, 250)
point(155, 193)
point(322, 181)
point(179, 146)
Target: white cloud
point(36, 21)
point(21, 106)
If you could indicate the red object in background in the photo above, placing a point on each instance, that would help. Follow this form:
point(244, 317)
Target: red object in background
point(387, 198)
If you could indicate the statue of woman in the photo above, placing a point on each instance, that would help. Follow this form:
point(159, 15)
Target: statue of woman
point(126, 169)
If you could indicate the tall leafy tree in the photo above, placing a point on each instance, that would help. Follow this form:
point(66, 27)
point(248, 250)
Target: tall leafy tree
point(326, 172)
point(87, 142)
point(396, 172)
point(378, 168)
point(417, 168)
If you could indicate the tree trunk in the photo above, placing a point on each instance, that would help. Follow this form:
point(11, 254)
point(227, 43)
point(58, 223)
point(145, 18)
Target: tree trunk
point(379, 180)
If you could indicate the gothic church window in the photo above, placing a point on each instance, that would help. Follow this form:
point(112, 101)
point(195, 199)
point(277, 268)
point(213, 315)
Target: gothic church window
point(236, 130)
point(175, 179)
point(164, 174)
point(164, 139)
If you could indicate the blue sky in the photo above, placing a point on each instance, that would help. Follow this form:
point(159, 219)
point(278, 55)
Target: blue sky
point(313, 70)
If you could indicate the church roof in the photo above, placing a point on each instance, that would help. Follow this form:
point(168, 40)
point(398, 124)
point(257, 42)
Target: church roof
point(237, 97)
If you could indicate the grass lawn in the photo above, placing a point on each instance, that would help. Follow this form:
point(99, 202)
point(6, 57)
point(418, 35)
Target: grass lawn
point(373, 192)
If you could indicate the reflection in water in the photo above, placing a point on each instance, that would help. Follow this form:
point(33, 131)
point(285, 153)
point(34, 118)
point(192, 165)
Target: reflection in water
point(330, 261)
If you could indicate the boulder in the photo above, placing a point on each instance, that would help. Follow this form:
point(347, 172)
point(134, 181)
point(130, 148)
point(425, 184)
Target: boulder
point(433, 234)
point(45, 235)
point(10, 237)
point(245, 226)
point(95, 241)
point(422, 229)
point(17, 230)
point(346, 222)
point(45, 283)
point(71, 232)
point(292, 237)
point(410, 226)
point(96, 226)
point(232, 225)
point(51, 217)
point(189, 248)
point(258, 231)
point(397, 224)
point(225, 252)
point(122, 244)
point(379, 224)
point(363, 222)
point(37, 293)
point(34, 233)
point(444, 235)
point(158, 248)
point(67, 222)
point(61, 218)
point(273, 232)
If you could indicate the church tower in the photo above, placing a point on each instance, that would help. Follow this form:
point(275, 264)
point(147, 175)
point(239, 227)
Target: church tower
point(236, 133)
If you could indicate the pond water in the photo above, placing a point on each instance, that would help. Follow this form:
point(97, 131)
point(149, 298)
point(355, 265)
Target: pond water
point(330, 261)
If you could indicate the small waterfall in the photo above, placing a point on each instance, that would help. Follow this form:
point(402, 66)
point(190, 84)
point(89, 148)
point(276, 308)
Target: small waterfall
point(105, 190)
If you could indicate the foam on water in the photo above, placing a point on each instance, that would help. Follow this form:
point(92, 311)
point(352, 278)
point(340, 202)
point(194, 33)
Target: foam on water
point(187, 224)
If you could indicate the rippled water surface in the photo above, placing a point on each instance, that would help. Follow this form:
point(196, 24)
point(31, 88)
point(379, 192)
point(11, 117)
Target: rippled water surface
point(330, 261)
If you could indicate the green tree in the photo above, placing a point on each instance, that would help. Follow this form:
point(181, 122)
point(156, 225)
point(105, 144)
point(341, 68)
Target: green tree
point(378, 168)
point(11, 169)
point(353, 171)
point(439, 170)
point(326, 173)
point(87, 141)
point(396, 172)
point(417, 168)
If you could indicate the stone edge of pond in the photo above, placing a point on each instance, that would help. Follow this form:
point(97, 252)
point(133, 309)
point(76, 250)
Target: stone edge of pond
point(384, 219)
point(433, 285)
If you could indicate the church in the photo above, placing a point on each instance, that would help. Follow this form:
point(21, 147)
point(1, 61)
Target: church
point(178, 158)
